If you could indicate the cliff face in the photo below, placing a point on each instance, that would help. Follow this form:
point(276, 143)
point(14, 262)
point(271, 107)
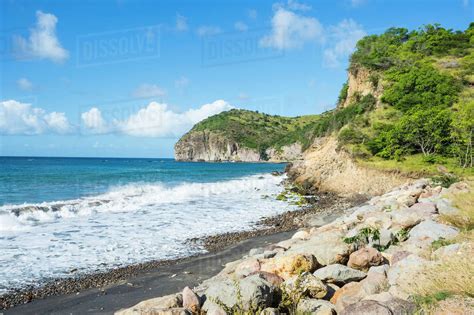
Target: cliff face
point(215, 147)
point(325, 167)
point(361, 82)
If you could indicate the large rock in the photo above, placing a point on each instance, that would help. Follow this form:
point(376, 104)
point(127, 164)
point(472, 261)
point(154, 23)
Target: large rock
point(247, 267)
point(301, 235)
point(353, 292)
point(290, 264)
point(315, 306)
point(306, 284)
point(254, 291)
point(272, 278)
point(164, 302)
point(403, 276)
point(191, 301)
point(339, 274)
point(366, 308)
point(328, 247)
point(445, 207)
point(365, 258)
point(432, 231)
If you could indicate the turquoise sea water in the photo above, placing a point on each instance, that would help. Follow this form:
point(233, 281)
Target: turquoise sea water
point(90, 214)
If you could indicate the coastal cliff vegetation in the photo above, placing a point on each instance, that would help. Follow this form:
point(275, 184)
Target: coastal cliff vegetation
point(408, 105)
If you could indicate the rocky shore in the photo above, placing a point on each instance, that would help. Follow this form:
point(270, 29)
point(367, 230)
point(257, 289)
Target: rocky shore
point(375, 258)
point(318, 210)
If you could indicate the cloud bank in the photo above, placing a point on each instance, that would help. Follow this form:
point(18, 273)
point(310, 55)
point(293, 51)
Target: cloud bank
point(18, 118)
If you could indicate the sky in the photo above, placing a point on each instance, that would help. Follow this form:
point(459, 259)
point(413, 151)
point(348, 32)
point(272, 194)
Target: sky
point(127, 78)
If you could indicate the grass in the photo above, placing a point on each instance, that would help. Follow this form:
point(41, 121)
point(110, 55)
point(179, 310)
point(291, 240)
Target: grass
point(453, 277)
point(418, 165)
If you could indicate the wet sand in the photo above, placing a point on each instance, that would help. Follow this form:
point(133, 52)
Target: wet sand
point(158, 281)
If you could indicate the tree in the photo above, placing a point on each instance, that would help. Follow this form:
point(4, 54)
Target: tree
point(463, 132)
point(428, 130)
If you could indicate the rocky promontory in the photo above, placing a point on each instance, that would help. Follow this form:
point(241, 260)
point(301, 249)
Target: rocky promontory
point(386, 256)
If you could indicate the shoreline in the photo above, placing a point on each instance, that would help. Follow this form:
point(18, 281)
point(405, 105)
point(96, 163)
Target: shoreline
point(328, 207)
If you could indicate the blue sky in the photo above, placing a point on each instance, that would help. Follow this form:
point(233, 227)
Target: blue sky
point(127, 78)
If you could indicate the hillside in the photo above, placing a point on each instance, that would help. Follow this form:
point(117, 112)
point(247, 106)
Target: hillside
point(242, 135)
point(407, 106)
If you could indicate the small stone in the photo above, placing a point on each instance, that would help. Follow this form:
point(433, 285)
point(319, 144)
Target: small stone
point(270, 311)
point(365, 258)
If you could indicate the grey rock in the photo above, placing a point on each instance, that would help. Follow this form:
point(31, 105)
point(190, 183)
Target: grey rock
point(445, 207)
point(191, 300)
point(256, 251)
point(400, 307)
point(432, 230)
point(339, 274)
point(367, 307)
point(254, 290)
point(307, 284)
point(315, 306)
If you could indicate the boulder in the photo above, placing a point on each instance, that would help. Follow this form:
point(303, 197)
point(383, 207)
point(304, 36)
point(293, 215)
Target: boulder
point(403, 275)
point(247, 267)
point(424, 208)
point(290, 264)
point(349, 294)
point(272, 278)
point(191, 301)
point(164, 302)
point(256, 251)
point(328, 247)
point(365, 258)
point(445, 207)
point(445, 252)
point(301, 235)
point(307, 285)
point(366, 308)
point(432, 231)
point(339, 274)
point(254, 291)
point(400, 307)
point(315, 306)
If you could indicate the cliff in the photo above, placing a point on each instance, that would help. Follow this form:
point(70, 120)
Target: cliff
point(245, 136)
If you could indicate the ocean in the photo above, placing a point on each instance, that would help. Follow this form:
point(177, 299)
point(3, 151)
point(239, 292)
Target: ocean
point(66, 216)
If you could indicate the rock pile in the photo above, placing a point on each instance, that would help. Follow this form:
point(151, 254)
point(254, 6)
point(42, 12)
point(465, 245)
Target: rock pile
point(361, 263)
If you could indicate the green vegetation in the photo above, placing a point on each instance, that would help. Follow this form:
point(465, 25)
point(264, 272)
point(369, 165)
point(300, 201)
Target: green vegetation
point(427, 101)
point(423, 118)
point(260, 131)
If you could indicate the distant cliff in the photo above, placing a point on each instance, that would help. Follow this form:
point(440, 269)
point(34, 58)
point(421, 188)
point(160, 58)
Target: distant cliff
point(246, 136)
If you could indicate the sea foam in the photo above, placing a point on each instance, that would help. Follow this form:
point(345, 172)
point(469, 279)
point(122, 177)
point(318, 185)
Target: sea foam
point(128, 224)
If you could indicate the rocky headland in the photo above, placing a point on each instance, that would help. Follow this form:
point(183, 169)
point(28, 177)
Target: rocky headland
point(377, 258)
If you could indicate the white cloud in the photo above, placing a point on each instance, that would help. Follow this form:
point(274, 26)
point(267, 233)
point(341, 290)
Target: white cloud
point(24, 84)
point(18, 118)
point(241, 26)
point(157, 120)
point(252, 14)
point(148, 90)
point(181, 23)
point(181, 83)
point(291, 30)
point(42, 42)
point(207, 30)
point(342, 40)
point(94, 121)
